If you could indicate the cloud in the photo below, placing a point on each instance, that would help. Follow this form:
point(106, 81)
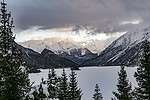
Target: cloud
point(63, 29)
point(36, 33)
point(130, 22)
point(104, 15)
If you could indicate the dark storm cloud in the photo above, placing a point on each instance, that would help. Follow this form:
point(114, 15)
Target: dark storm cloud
point(104, 15)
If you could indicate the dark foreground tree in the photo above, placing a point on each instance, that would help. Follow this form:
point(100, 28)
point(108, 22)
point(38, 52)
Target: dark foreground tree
point(14, 82)
point(52, 84)
point(63, 87)
point(97, 95)
point(75, 93)
point(41, 94)
point(142, 92)
point(124, 87)
point(35, 95)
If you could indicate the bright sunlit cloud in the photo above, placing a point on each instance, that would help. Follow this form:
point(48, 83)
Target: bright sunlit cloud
point(130, 22)
point(62, 29)
point(36, 33)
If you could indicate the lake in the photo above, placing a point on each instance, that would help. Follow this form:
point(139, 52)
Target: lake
point(88, 77)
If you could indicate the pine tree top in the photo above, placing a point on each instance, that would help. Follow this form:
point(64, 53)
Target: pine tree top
point(124, 87)
point(97, 95)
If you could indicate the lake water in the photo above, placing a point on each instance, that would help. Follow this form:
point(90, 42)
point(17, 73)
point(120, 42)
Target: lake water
point(88, 77)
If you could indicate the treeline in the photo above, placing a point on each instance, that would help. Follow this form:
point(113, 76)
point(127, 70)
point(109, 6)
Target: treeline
point(58, 87)
point(61, 88)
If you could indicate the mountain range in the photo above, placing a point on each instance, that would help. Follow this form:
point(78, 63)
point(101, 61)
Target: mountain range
point(126, 50)
point(78, 52)
point(45, 59)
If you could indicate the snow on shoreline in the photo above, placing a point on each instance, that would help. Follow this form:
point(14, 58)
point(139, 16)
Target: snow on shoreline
point(105, 77)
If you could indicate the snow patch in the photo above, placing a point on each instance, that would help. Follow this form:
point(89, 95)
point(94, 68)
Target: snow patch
point(10, 52)
point(23, 69)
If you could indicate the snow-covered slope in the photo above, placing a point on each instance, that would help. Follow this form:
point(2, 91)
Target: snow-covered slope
point(64, 47)
point(95, 46)
point(123, 51)
point(63, 44)
point(56, 44)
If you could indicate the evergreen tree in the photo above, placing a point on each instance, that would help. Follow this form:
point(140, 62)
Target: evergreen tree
point(52, 84)
point(63, 87)
point(75, 93)
point(97, 95)
point(35, 95)
point(113, 98)
point(14, 82)
point(124, 87)
point(41, 94)
point(142, 92)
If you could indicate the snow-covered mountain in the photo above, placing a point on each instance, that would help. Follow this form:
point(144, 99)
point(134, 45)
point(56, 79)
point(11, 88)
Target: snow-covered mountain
point(95, 46)
point(56, 45)
point(62, 44)
point(126, 50)
point(64, 47)
point(46, 59)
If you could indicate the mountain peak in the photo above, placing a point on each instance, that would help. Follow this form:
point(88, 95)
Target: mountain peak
point(123, 51)
point(46, 51)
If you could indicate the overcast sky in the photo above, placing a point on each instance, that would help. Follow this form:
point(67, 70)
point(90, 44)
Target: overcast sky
point(106, 16)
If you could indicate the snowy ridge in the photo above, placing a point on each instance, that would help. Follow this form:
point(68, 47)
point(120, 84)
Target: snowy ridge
point(133, 38)
point(64, 44)
point(57, 45)
point(63, 47)
point(123, 51)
